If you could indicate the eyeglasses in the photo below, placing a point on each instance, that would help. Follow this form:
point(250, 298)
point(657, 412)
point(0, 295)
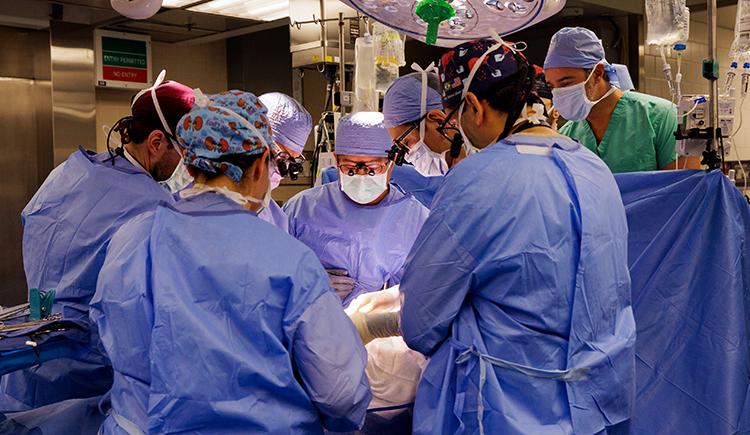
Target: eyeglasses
point(371, 169)
point(288, 165)
point(399, 150)
point(415, 125)
point(447, 129)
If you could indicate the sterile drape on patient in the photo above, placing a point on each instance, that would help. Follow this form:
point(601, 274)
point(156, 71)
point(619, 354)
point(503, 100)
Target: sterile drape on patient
point(690, 271)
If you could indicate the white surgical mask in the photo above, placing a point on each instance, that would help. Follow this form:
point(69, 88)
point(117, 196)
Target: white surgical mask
point(266, 201)
point(179, 179)
point(426, 161)
point(468, 146)
point(364, 189)
point(572, 101)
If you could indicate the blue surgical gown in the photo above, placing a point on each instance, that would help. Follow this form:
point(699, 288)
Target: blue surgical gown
point(520, 272)
point(67, 227)
point(405, 178)
point(217, 322)
point(273, 214)
point(369, 242)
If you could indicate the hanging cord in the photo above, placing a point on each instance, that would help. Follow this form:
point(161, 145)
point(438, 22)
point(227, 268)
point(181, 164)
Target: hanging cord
point(121, 127)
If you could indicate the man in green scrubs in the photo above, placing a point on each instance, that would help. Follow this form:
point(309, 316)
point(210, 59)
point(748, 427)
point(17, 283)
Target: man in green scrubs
point(630, 131)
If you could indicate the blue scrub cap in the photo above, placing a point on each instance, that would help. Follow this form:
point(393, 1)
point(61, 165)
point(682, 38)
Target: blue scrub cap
point(230, 123)
point(574, 47)
point(362, 134)
point(290, 121)
point(402, 102)
point(578, 47)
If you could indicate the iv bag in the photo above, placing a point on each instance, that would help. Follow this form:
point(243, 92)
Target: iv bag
point(365, 94)
point(668, 22)
point(389, 56)
point(741, 43)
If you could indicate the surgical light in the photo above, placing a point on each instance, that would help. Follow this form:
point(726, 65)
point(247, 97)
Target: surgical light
point(472, 19)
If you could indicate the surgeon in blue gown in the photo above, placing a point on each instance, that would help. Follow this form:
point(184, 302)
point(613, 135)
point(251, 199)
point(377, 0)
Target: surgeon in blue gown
point(517, 286)
point(360, 228)
point(291, 124)
point(69, 223)
point(216, 321)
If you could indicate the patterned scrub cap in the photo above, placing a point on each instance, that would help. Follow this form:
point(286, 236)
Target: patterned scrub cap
point(221, 125)
point(498, 68)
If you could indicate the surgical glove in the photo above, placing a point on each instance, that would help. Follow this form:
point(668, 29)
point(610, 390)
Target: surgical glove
point(343, 285)
point(384, 300)
point(372, 326)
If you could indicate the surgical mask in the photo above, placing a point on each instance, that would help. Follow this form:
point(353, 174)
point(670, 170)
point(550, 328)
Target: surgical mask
point(572, 101)
point(425, 161)
point(179, 179)
point(276, 177)
point(468, 146)
point(364, 189)
point(266, 201)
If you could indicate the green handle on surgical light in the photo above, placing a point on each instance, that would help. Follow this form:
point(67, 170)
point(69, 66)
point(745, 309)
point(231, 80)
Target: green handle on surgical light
point(434, 12)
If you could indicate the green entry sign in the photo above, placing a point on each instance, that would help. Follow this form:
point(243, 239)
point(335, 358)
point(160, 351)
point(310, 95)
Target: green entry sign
point(123, 60)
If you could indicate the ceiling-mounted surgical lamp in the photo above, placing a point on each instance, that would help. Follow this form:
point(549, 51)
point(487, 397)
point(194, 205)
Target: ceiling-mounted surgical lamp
point(472, 19)
point(136, 9)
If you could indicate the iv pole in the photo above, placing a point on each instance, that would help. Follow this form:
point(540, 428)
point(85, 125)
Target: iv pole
point(711, 156)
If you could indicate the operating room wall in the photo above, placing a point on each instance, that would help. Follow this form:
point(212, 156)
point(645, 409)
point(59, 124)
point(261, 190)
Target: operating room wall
point(201, 66)
point(692, 81)
point(26, 143)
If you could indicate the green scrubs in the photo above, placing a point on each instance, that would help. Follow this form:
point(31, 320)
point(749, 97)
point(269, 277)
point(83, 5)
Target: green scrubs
point(639, 137)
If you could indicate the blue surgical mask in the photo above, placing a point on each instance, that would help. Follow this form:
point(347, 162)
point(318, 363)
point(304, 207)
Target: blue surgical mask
point(572, 101)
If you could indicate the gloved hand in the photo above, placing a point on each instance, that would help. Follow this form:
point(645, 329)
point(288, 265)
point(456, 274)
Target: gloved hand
point(384, 300)
point(372, 326)
point(343, 285)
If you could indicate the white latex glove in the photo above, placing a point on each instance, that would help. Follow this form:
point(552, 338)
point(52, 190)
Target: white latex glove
point(388, 300)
